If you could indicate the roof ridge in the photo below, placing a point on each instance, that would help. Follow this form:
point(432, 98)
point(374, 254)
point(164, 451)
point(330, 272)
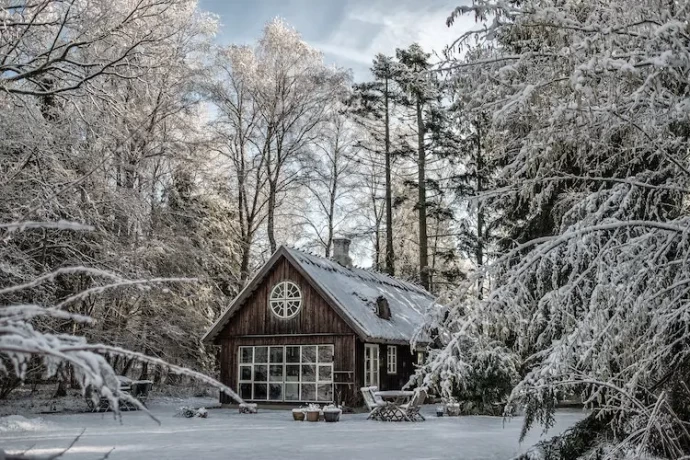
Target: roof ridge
point(387, 278)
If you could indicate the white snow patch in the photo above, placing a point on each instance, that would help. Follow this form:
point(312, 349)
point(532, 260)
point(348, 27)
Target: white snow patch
point(13, 423)
point(272, 434)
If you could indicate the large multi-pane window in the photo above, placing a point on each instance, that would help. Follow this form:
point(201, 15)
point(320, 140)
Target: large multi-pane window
point(286, 373)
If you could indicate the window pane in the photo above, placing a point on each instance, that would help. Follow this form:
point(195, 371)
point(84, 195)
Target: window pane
point(308, 392)
point(291, 354)
point(246, 390)
point(276, 371)
point(245, 372)
point(309, 373)
point(277, 354)
point(292, 372)
point(261, 354)
point(292, 392)
point(325, 353)
point(325, 373)
point(246, 354)
point(260, 373)
point(325, 393)
point(275, 392)
point(309, 354)
point(260, 391)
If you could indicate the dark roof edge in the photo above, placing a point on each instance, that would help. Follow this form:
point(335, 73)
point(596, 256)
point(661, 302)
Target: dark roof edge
point(241, 297)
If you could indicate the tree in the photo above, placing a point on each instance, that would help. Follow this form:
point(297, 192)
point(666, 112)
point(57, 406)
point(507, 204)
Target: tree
point(372, 104)
point(589, 113)
point(294, 93)
point(237, 132)
point(274, 98)
point(332, 182)
point(413, 78)
point(99, 115)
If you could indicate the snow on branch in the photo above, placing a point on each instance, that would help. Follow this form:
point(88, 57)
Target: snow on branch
point(589, 113)
point(21, 338)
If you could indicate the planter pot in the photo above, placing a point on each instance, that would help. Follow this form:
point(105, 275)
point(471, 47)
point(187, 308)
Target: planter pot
point(332, 415)
point(298, 415)
point(439, 411)
point(453, 410)
point(248, 408)
point(313, 416)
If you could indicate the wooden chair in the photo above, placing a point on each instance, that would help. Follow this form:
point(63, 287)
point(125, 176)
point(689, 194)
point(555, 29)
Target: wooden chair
point(412, 408)
point(373, 405)
point(377, 399)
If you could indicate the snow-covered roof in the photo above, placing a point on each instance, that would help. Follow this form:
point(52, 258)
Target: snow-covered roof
point(353, 293)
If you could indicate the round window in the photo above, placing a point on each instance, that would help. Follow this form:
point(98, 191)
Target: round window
point(285, 300)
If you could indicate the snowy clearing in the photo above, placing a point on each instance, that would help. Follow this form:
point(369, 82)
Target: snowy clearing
point(271, 434)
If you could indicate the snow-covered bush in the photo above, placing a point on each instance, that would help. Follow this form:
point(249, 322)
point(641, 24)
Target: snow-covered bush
point(477, 370)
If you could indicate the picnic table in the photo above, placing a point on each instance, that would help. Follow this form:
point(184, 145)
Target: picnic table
point(394, 409)
point(395, 396)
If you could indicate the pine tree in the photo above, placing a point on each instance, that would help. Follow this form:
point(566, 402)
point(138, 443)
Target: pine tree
point(372, 104)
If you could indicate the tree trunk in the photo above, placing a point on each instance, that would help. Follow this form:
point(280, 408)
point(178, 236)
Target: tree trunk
point(390, 256)
point(479, 250)
point(61, 390)
point(244, 260)
point(270, 220)
point(144, 375)
point(331, 204)
point(423, 240)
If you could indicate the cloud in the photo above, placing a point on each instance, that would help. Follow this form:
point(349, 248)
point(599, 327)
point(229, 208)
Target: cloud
point(367, 28)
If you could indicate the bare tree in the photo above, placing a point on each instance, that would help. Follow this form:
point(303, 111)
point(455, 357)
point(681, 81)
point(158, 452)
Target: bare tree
point(237, 132)
point(331, 182)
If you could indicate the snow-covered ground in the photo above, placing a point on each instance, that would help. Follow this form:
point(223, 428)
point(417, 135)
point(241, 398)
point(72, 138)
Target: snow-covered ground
point(268, 435)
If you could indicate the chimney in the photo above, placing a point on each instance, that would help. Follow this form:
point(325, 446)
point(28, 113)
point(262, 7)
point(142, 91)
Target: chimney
point(341, 252)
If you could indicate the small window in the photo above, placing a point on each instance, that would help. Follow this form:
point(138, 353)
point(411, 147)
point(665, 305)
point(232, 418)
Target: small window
point(420, 357)
point(285, 300)
point(392, 359)
point(383, 310)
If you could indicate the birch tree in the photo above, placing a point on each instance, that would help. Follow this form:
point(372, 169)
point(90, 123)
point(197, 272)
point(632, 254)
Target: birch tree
point(332, 206)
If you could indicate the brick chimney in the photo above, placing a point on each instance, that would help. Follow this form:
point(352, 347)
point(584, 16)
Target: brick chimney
point(341, 252)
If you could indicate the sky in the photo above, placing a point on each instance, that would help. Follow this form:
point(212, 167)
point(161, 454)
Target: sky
point(349, 32)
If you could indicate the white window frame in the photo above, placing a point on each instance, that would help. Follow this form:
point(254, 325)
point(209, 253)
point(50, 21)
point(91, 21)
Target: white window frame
point(372, 365)
point(392, 359)
point(318, 381)
point(285, 299)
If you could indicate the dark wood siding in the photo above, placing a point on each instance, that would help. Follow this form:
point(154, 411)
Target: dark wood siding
point(404, 371)
point(316, 323)
point(315, 316)
point(406, 367)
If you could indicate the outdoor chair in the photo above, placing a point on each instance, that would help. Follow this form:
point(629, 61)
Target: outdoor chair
point(412, 408)
point(377, 399)
point(373, 405)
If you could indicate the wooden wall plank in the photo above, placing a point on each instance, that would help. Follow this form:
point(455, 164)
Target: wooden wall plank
point(315, 315)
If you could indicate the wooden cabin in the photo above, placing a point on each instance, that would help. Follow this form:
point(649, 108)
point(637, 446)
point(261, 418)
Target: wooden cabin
point(309, 329)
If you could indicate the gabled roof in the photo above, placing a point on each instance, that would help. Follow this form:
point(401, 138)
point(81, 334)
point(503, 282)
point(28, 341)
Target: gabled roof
point(352, 292)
